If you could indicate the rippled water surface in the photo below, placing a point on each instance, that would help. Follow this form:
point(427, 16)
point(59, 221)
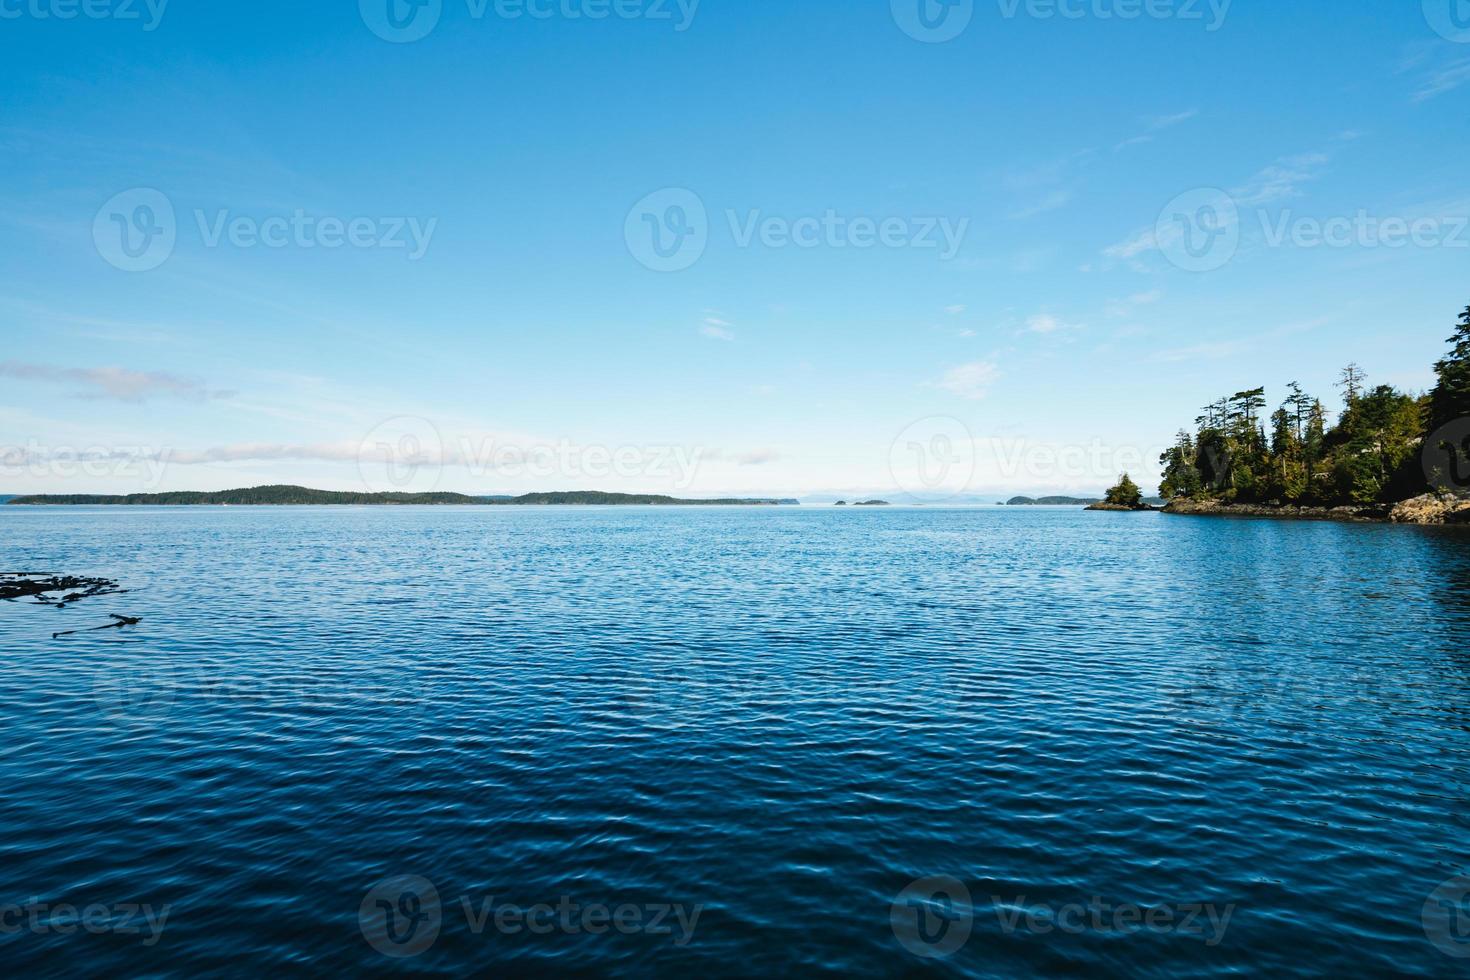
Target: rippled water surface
point(776, 720)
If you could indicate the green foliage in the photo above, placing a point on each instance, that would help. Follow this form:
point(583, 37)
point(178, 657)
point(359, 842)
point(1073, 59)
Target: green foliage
point(1450, 399)
point(1126, 493)
point(1371, 455)
point(1181, 476)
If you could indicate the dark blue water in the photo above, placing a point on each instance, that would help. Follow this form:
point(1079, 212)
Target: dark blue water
point(770, 723)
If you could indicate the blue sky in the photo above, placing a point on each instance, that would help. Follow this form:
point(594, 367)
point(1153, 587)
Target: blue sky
point(494, 325)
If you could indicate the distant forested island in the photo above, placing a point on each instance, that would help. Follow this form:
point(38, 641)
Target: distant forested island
point(1051, 501)
point(1386, 447)
point(284, 496)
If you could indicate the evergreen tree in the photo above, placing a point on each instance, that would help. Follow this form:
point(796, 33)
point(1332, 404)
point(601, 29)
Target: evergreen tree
point(1379, 451)
point(1299, 404)
point(1286, 479)
point(1126, 493)
point(1181, 478)
point(1353, 380)
point(1313, 443)
point(1450, 399)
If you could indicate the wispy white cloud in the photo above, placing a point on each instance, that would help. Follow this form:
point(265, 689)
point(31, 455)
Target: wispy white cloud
point(1281, 180)
point(1126, 307)
point(1051, 202)
point(113, 383)
point(970, 381)
point(1216, 350)
point(1443, 80)
point(1165, 122)
point(1049, 186)
point(1208, 351)
point(716, 329)
point(955, 310)
point(758, 457)
point(1046, 323)
point(1157, 124)
point(1134, 245)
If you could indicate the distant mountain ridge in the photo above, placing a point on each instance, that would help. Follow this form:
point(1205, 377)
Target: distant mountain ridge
point(288, 496)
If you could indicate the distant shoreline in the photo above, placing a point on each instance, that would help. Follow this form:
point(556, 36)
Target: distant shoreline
point(289, 496)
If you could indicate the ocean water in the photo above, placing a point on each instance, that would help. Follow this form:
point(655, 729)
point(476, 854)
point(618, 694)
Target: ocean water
point(627, 742)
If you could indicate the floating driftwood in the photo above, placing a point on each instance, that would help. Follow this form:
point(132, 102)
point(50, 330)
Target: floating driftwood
point(42, 588)
point(122, 621)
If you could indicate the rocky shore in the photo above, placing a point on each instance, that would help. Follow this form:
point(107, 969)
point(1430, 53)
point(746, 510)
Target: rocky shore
point(1121, 508)
point(1428, 509)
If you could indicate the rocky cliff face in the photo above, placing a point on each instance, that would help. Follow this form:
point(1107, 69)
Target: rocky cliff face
point(1432, 508)
point(1374, 512)
point(1428, 509)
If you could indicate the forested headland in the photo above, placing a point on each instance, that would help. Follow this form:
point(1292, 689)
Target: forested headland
point(1383, 446)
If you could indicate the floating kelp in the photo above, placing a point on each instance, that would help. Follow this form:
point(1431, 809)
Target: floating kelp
point(43, 588)
point(59, 591)
point(122, 621)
